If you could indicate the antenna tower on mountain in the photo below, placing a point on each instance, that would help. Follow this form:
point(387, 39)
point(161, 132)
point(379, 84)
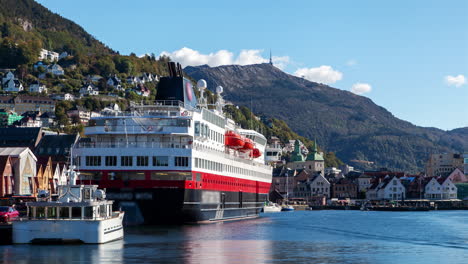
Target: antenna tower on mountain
point(271, 61)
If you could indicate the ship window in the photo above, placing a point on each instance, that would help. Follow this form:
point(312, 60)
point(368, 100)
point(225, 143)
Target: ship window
point(111, 160)
point(90, 176)
point(88, 212)
point(93, 160)
point(181, 161)
point(40, 212)
point(76, 212)
point(77, 160)
point(198, 177)
point(126, 176)
point(142, 160)
point(161, 161)
point(64, 212)
point(197, 128)
point(126, 161)
point(171, 176)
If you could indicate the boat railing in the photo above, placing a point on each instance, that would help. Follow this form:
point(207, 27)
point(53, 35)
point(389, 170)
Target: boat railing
point(232, 157)
point(133, 145)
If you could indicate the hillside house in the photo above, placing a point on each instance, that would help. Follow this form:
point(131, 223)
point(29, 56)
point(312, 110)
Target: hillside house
point(89, 89)
point(55, 69)
point(37, 87)
point(140, 89)
point(11, 84)
point(115, 82)
point(48, 55)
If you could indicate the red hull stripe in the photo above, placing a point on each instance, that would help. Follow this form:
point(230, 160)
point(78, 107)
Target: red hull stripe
point(199, 180)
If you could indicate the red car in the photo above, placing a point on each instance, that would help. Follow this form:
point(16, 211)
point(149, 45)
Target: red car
point(8, 213)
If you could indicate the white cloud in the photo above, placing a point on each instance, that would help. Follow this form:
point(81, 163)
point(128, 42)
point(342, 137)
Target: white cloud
point(323, 74)
point(361, 88)
point(456, 81)
point(190, 57)
point(247, 57)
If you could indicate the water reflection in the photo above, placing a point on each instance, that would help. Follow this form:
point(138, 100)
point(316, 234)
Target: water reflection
point(299, 237)
point(51, 254)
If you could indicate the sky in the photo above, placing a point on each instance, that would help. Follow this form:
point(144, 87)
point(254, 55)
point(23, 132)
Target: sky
point(410, 57)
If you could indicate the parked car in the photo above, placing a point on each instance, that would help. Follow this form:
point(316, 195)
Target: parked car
point(8, 213)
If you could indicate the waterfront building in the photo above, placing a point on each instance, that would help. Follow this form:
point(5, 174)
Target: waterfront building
point(24, 169)
point(20, 137)
point(315, 190)
point(364, 182)
point(56, 146)
point(388, 188)
point(443, 164)
point(44, 176)
point(440, 189)
point(6, 176)
point(283, 181)
point(344, 188)
point(457, 176)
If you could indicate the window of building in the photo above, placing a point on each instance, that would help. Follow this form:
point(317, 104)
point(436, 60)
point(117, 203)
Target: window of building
point(142, 160)
point(126, 161)
point(111, 160)
point(93, 160)
point(161, 161)
point(181, 161)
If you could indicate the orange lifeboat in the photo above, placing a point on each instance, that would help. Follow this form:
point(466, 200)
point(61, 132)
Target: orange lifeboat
point(256, 153)
point(233, 140)
point(248, 146)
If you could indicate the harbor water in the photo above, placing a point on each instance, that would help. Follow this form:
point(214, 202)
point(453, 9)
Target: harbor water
point(287, 237)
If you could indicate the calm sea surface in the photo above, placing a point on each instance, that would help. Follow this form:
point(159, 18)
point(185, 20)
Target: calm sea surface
point(288, 237)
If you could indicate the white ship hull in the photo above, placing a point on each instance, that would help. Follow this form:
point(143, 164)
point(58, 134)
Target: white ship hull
point(73, 230)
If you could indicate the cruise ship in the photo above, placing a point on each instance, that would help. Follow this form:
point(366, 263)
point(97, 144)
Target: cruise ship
point(176, 160)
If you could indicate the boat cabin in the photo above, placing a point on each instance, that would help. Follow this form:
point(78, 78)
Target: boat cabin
point(75, 202)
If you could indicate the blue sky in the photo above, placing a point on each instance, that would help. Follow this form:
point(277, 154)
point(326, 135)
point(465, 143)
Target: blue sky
point(410, 57)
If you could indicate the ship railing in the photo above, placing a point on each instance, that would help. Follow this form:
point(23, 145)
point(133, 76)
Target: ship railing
point(232, 157)
point(133, 145)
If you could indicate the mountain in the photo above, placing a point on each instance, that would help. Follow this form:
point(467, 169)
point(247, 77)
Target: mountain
point(352, 126)
point(28, 21)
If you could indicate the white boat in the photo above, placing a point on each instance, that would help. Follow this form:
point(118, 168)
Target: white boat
point(81, 214)
point(287, 208)
point(271, 208)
